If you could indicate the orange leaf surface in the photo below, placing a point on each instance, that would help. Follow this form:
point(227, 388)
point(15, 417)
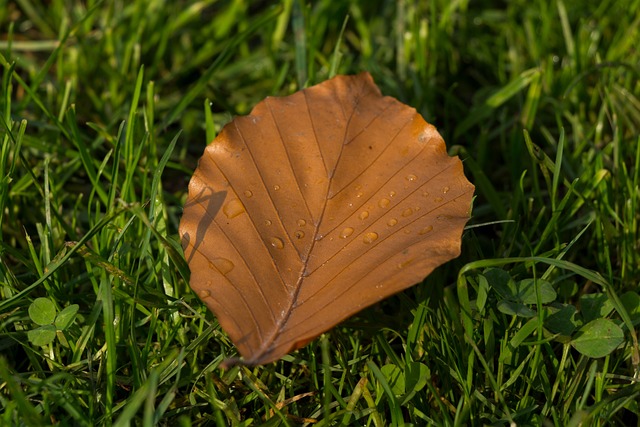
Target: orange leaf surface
point(315, 206)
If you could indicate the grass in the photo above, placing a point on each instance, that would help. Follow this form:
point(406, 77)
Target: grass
point(106, 106)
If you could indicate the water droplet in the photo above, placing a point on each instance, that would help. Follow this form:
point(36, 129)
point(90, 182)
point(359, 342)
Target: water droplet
point(411, 177)
point(392, 193)
point(233, 208)
point(438, 199)
point(405, 264)
point(299, 234)
point(445, 189)
point(425, 194)
point(443, 217)
point(302, 223)
point(383, 203)
point(204, 293)
point(370, 237)
point(348, 231)
point(426, 230)
point(276, 187)
point(277, 242)
point(267, 222)
point(360, 194)
point(363, 215)
point(248, 194)
point(223, 265)
point(407, 212)
point(392, 222)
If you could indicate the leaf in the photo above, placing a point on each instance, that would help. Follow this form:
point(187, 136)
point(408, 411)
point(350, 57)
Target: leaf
point(562, 321)
point(395, 378)
point(598, 338)
point(526, 291)
point(416, 377)
point(513, 308)
point(631, 302)
point(567, 288)
point(500, 280)
point(595, 306)
point(315, 206)
point(66, 316)
point(42, 311)
point(42, 336)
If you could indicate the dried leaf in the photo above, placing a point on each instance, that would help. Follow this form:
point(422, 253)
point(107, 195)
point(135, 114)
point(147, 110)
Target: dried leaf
point(315, 206)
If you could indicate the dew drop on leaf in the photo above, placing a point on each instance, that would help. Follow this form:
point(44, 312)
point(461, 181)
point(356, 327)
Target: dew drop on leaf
point(204, 293)
point(370, 237)
point(363, 215)
point(392, 222)
point(407, 212)
point(383, 203)
point(233, 208)
point(302, 223)
point(426, 230)
point(348, 231)
point(405, 264)
point(277, 242)
point(445, 189)
point(248, 194)
point(438, 199)
point(299, 234)
point(411, 177)
point(223, 265)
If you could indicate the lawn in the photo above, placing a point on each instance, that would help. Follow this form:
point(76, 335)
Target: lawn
point(105, 108)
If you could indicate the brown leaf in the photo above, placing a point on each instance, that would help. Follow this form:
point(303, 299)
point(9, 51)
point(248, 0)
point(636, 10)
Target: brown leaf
point(315, 206)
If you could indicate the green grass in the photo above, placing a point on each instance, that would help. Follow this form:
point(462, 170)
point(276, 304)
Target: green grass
point(105, 108)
